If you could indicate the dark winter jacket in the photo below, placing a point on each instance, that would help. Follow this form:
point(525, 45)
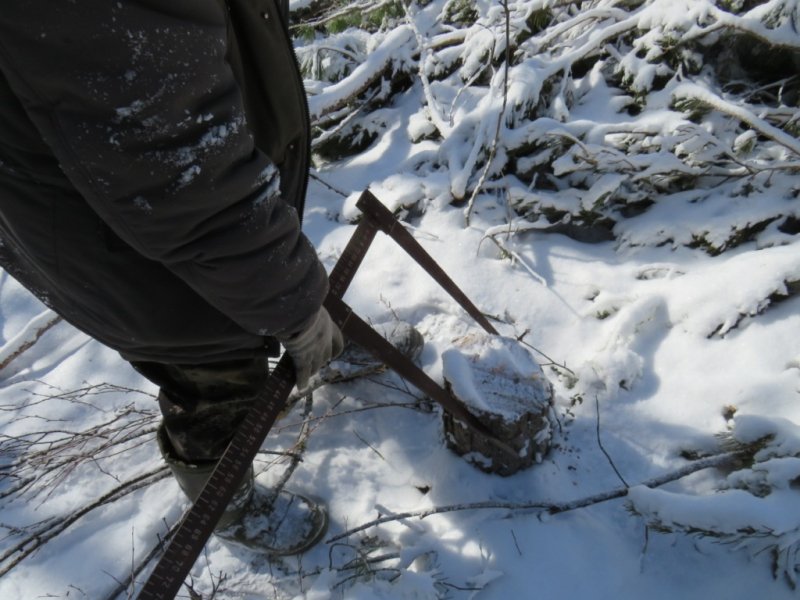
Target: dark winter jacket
point(139, 142)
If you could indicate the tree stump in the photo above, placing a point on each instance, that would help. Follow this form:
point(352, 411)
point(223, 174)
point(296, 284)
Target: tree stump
point(500, 383)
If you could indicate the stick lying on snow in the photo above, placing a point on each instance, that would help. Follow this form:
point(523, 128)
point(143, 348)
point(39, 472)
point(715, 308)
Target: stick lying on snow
point(717, 460)
point(29, 335)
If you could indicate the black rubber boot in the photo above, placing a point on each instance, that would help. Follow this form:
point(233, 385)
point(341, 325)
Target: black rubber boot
point(257, 518)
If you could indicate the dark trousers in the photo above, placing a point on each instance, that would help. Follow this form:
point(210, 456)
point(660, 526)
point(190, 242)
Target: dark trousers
point(202, 405)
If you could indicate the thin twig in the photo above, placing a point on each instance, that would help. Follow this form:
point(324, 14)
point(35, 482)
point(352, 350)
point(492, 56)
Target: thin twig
point(600, 442)
point(46, 457)
point(370, 446)
point(516, 257)
point(324, 183)
point(297, 457)
point(552, 362)
point(16, 554)
point(351, 411)
point(500, 116)
point(128, 582)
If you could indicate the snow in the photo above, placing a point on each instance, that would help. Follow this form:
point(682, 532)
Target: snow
point(784, 435)
point(389, 49)
point(692, 90)
point(656, 352)
point(495, 375)
point(677, 383)
point(727, 512)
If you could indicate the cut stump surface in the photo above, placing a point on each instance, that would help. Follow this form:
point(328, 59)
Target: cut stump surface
point(504, 387)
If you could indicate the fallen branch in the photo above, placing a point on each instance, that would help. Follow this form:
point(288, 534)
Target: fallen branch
point(46, 457)
point(695, 92)
point(436, 117)
point(540, 43)
point(715, 461)
point(362, 9)
point(784, 36)
point(345, 91)
point(30, 544)
point(328, 134)
point(500, 117)
point(29, 335)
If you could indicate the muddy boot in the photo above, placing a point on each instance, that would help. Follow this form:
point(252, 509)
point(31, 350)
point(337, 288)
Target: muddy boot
point(256, 518)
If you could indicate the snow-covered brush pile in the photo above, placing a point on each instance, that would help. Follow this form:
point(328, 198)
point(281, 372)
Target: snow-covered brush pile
point(593, 119)
point(757, 509)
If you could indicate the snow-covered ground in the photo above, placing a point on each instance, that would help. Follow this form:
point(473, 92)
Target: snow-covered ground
point(635, 328)
point(654, 351)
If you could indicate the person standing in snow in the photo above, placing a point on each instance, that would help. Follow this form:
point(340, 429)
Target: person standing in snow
point(153, 166)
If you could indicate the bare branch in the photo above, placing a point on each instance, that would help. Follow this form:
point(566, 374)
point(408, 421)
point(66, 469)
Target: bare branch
point(30, 544)
point(716, 461)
